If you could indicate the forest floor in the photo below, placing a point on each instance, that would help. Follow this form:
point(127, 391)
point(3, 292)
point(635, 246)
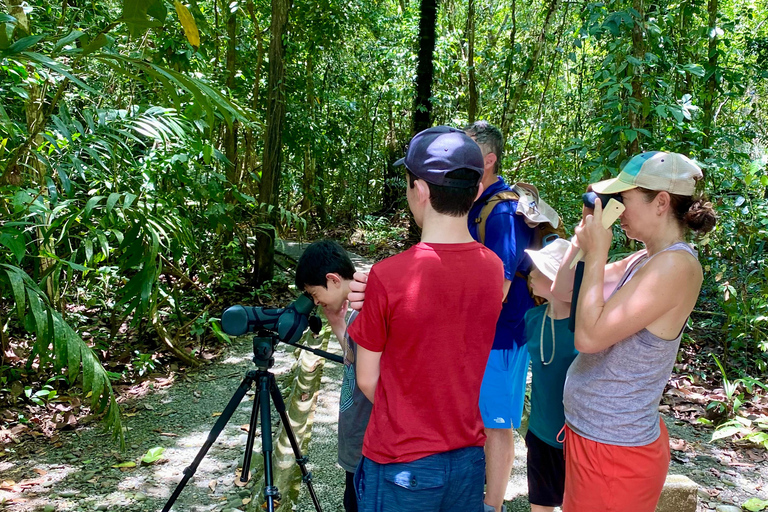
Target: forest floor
point(82, 469)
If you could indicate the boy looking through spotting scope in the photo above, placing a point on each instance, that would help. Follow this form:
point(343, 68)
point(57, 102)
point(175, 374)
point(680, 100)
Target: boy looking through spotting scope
point(424, 335)
point(324, 272)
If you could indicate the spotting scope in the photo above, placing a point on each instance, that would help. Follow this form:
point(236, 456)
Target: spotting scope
point(288, 323)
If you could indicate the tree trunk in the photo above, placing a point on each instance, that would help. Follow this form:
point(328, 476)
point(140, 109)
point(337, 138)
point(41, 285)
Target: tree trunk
point(392, 194)
point(251, 159)
point(422, 110)
point(522, 84)
point(636, 117)
point(230, 131)
point(310, 178)
point(472, 110)
point(712, 74)
point(272, 159)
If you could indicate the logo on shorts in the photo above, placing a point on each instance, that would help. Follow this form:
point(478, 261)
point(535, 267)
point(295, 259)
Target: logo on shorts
point(499, 420)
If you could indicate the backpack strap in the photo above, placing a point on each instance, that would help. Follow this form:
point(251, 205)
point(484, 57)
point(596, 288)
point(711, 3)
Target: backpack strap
point(490, 204)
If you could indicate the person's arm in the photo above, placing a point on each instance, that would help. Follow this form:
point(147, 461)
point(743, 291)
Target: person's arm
point(370, 331)
point(662, 290)
point(357, 290)
point(368, 364)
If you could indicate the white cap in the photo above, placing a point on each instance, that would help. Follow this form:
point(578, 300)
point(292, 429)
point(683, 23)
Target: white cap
point(548, 258)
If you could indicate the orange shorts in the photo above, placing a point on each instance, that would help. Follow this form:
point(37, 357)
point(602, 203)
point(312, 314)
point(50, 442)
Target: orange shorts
point(608, 478)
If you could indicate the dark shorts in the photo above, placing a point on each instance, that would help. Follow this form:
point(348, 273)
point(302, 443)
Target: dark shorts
point(443, 482)
point(546, 472)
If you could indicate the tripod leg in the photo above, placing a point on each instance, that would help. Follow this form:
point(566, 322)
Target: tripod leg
point(234, 402)
point(251, 435)
point(271, 493)
point(301, 460)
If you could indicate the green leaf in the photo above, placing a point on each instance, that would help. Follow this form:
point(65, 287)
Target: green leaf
point(153, 455)
point(630, 134)
point(755, 504)
point(727, 429)
point(158, 10)
point(694, 69)
point(14, 240)
point(7, 18)
point(23, 43)
point(114, 197)
point(135, 15)
point(72, 36)
point(127, 464)
point(17, 287)
point(57, 67)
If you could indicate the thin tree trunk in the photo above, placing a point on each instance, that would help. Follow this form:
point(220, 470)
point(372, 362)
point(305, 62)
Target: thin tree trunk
point(509, 65)
point(230, 131)
point(251, 158)
point(422, 111)
point(636, 117)
point(472, 110)
point(392, 193)
point(272, 159)
point(310, 177)
point(712, 74)
point(522, 84)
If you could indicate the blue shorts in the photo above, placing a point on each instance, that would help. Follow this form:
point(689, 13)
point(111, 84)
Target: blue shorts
point(502, 394)
point(444, 482)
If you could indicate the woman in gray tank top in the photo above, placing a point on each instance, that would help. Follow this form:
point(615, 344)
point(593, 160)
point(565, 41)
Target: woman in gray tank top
point(629, 321)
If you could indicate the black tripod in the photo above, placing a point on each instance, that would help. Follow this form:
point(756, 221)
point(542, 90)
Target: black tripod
point(263, 348)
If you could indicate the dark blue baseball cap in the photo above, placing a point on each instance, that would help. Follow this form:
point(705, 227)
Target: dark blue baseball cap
point(435, 152)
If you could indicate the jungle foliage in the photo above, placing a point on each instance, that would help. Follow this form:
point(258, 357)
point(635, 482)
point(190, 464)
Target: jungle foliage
point(150, 151)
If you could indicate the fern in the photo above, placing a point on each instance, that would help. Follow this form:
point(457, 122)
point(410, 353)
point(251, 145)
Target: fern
point(69, 350)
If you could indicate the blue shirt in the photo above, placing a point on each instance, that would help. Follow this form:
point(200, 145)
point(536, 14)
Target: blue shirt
point(548, 381)
point(507, 235)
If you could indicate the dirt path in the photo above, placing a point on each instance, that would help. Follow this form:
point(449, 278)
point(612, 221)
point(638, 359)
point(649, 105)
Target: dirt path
point(79, 473)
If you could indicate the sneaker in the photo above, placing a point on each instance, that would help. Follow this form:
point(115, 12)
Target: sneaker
point(488, 508)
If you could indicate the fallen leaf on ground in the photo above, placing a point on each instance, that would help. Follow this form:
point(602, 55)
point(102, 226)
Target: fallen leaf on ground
point(212, 485)
point(677, 444)
point(127, 464)
point(215, 414)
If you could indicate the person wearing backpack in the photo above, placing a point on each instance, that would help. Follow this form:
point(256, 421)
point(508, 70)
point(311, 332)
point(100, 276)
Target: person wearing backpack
point(502, 393)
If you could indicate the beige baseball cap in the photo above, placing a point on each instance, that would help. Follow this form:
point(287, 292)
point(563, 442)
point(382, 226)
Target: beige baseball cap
point(548, 258)
point(655, 170)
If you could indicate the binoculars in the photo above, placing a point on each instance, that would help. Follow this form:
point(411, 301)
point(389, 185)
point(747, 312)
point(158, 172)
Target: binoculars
point(589, 199)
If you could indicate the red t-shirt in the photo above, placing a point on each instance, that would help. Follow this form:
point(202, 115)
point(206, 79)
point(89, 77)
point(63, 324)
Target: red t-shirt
point(432, 312)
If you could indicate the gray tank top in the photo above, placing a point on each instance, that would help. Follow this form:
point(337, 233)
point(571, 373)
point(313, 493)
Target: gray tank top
point(612, 396)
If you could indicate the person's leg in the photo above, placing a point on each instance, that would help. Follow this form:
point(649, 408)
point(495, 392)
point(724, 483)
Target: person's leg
point(546, 474)
point(350, 497)
point(502, 395)
point(499, 458)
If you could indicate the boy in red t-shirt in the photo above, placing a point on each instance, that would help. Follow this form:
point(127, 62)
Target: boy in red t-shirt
point(424, 335)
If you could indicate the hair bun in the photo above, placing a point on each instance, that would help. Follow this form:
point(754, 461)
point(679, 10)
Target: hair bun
point(701, 216)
